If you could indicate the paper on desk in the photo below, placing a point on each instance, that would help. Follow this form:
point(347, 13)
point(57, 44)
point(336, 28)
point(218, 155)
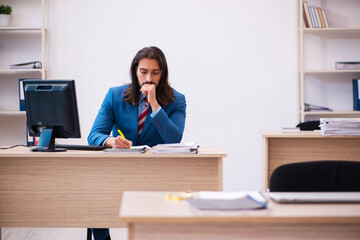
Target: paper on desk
point(227, 201)
point(134, 149)
point(141, 147)
point(232, 195)
point(190, 147)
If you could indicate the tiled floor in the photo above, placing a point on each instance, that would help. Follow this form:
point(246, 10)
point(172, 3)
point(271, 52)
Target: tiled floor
point(55, 233)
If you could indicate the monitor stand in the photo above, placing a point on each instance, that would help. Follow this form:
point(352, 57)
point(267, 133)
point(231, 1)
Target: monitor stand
point(47, 142)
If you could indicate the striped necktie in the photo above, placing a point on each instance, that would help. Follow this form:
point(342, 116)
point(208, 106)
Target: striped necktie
point(142, 117)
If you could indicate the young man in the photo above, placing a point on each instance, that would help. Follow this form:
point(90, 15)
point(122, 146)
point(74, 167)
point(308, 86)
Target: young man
point(147, 111)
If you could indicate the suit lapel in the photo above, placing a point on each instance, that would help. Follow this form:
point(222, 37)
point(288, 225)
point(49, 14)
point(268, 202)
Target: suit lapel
point(133, 116)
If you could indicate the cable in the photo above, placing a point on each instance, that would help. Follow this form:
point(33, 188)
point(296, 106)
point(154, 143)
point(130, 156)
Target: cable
point(19, 145)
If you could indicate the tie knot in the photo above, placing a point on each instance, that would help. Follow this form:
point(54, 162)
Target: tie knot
point(146, 100)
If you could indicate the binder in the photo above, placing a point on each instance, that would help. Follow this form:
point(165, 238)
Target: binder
point(30, 140)
point(22, 106)
point(356, 94)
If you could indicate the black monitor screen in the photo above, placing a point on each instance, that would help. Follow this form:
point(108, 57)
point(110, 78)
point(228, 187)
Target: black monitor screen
point(51, 111)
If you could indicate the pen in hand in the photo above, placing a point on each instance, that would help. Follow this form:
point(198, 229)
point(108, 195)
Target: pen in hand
point(121, 134)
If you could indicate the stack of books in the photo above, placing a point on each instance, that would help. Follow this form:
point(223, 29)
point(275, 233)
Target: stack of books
point(190, 147)
point(340, 126)
point(314, 17)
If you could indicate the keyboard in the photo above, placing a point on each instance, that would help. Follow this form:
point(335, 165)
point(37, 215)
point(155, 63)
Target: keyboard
point(81, 147)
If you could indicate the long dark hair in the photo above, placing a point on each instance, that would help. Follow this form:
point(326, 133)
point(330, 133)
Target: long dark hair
point(164, 93)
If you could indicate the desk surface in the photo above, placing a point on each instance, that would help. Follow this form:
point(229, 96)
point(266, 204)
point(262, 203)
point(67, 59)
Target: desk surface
point(84, 188)
point(142, 207)
point(25, 152)
point(302, 134)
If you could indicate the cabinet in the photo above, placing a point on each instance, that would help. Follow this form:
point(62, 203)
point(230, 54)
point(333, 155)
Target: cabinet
point(319, 83)
point(24, 40)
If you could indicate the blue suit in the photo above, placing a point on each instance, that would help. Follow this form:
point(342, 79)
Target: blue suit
point(115, 113)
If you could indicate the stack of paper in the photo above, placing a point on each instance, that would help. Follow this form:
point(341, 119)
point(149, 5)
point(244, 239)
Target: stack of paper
point(340, 126)
point(228, 201)
point(190, 147)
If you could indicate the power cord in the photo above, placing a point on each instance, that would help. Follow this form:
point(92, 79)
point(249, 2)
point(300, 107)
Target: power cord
point(18, 145)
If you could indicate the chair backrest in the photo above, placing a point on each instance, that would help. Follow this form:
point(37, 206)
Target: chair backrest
point(317, 176)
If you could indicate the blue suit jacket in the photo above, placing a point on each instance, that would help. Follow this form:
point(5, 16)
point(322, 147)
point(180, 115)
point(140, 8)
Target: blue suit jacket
point(115, 113)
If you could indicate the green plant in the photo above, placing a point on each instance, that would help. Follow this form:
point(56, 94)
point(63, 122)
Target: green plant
point(5, 9)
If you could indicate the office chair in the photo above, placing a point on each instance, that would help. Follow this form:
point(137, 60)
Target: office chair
point(309, 125)
point(89, 234)
point(316, 176)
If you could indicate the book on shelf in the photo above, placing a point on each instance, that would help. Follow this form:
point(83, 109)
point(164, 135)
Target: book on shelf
point(314, 17)
point(30, 140)
point(306, 15)
point(347, 65)
point(356, 94)
point(27, 65)
point(325, 18)
point(315, 108)
point(321, 18)
point(21, 95)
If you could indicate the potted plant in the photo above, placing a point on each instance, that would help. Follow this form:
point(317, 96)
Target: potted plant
point(5, 12)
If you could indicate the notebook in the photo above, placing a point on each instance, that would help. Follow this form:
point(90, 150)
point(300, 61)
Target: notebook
point(315, 197)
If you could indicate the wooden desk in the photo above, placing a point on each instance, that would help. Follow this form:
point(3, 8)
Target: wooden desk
point(150, 216)
point(84, 188)
point(282, 148)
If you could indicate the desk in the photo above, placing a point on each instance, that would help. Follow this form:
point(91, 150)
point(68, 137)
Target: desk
point(282, 148)
point(84, 188)
point(150, 216)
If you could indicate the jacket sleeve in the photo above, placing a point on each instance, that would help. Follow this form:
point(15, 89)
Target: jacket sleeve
point(171, 125)
point(104, 121)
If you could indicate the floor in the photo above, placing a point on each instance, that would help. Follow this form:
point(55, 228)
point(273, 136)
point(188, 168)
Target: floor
point(55, 233)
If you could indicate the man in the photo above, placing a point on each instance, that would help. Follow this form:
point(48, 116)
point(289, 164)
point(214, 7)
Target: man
point(147, 112)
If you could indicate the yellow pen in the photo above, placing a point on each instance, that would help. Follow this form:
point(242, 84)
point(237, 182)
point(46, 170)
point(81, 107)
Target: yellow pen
point(121, 134)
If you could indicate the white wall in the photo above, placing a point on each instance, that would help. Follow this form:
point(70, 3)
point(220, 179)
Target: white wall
point(234, 60)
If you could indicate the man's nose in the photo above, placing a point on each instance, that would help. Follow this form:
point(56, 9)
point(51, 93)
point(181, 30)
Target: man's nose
point(148, 77)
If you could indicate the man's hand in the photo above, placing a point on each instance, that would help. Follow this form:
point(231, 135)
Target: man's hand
point(149, 90)
point(118, 142)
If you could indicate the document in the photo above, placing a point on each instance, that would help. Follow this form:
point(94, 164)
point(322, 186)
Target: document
point(228, 201)
point(133, 149)
point(190, 147)
point(340, 126)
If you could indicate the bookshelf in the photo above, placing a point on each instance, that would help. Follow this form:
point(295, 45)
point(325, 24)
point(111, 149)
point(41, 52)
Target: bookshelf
point(319, 83)
point(23, 41)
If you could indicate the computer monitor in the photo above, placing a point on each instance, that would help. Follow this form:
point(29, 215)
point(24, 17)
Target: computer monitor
point(51, 111)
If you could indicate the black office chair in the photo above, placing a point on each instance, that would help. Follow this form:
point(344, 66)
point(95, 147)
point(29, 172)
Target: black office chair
point(89, 234)
point(316, 176)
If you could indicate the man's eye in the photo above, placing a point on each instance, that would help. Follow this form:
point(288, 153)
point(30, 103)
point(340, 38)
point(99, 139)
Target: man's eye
point(156, 72)
point(143, 72)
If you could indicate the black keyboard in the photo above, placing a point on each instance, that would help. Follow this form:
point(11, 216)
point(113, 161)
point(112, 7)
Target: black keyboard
point(81, 147)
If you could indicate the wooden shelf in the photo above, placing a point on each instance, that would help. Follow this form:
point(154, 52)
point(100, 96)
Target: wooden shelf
point(13, 113)
point(20, 70)
point(322, 30)
point(22, 29)
point(318, 51)
point(329, 71)
point(332, 113)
